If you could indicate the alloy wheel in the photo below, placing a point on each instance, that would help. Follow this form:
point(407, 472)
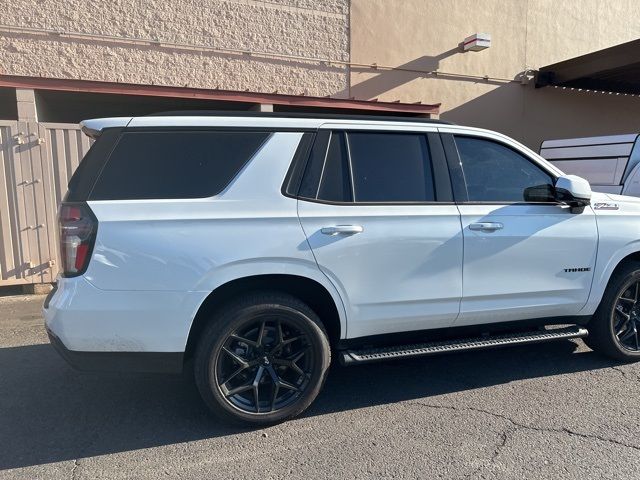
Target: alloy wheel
point(626, 317)
point(264, 366)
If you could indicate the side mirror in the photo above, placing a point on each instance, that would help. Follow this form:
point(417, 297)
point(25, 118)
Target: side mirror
point(574, 191)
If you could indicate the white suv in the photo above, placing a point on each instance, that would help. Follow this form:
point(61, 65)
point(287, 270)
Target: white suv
point(256, 245)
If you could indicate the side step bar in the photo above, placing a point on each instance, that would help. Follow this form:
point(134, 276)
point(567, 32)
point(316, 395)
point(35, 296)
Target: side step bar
point(368, 355)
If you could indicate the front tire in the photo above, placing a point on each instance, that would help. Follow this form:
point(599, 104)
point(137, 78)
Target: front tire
point(262, 359)
point(614, 329)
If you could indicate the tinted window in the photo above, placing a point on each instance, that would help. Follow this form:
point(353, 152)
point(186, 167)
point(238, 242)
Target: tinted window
point(293, 179)
point(496, 173)
point(389, 167)
point(147, 165)
point(335, 182)
point(87, 172)
point(315, 164)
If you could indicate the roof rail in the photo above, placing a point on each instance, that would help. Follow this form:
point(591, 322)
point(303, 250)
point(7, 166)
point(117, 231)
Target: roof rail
point(321, 116)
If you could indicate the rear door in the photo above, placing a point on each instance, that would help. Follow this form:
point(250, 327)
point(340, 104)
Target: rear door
point(377, 210)
point(525, 255)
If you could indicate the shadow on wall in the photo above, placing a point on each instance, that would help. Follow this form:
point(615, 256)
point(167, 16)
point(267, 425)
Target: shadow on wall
point(52, 413)
point(533, 115)
point(501, 109)
point(518, 110)
point(385, 80)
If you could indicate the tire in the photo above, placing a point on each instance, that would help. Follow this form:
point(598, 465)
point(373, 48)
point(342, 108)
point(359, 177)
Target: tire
point(619, 301)
point(262, 359)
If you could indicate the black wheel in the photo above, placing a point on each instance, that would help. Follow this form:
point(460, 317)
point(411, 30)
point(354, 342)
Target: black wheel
point(615, 328)
point(262, 359)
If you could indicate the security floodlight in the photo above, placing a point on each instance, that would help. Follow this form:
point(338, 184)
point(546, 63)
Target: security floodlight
point(476, 42)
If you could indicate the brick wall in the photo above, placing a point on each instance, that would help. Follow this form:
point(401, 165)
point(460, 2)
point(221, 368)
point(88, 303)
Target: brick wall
point(307, 28)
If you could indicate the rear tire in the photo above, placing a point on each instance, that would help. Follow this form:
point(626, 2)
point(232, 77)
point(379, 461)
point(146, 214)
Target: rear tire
point(614, 329)
point(262, 359)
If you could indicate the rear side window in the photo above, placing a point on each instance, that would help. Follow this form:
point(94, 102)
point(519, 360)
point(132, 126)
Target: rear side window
point(390, 167)
point(170, 164)
point(335, 180)
point(87, 172)
point(370, 167)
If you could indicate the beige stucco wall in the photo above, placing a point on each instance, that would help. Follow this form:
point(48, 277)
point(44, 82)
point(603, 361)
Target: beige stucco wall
point(423, 35)
point(291, 27)
point(415, 35)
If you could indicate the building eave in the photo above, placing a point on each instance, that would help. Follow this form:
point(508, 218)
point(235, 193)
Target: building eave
point(91, 86)
point(613, 69)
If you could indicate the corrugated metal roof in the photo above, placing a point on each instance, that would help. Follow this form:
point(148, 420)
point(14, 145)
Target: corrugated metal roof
point(613, 69)
point(223, 95)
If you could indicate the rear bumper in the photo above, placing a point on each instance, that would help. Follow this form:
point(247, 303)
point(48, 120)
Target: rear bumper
point(116, 330)
point(88, 319)
point(148, 362)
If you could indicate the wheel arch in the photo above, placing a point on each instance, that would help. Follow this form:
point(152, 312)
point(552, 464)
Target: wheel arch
point(320, 298)
point(631, 257)
point(630, 254)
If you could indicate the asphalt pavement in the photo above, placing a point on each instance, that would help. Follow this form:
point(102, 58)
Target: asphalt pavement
point(553, 410)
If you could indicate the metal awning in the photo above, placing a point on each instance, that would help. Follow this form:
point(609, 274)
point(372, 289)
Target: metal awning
point(298, 101)
point(614, 69)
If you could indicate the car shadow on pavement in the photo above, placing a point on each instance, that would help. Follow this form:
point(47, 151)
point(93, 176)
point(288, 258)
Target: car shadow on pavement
point(51, 413)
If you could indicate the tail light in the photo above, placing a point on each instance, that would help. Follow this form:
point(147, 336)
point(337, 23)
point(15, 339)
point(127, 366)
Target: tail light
point(78, 227)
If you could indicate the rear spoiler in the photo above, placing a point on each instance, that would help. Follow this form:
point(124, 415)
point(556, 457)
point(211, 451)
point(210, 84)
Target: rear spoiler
point(93, 128)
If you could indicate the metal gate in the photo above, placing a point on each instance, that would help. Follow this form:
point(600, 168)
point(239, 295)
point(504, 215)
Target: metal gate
point(36, 162)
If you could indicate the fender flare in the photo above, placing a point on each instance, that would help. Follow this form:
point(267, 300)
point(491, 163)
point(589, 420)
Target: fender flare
point(602, 277)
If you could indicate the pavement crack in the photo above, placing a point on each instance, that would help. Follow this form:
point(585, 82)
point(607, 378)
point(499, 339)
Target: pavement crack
point(622, 372)
point(524, 426)
point(74, 469)
point(504, 436)
point(502, 441)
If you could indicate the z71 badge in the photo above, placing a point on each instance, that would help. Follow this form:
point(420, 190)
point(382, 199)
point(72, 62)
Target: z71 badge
point(605, 206)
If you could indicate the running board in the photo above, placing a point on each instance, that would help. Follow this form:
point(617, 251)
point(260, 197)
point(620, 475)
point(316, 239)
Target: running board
point(368, 355)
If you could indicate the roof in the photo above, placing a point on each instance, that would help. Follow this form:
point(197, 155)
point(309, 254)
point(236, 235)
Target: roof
point(614, 69)
point(611, 146)
point(93, 127)
point(282, 115)
point(275, 98)
point(586, 141)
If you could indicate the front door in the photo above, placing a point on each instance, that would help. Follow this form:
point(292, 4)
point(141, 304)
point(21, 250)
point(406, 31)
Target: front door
point(525, 255)
point(377, 231)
